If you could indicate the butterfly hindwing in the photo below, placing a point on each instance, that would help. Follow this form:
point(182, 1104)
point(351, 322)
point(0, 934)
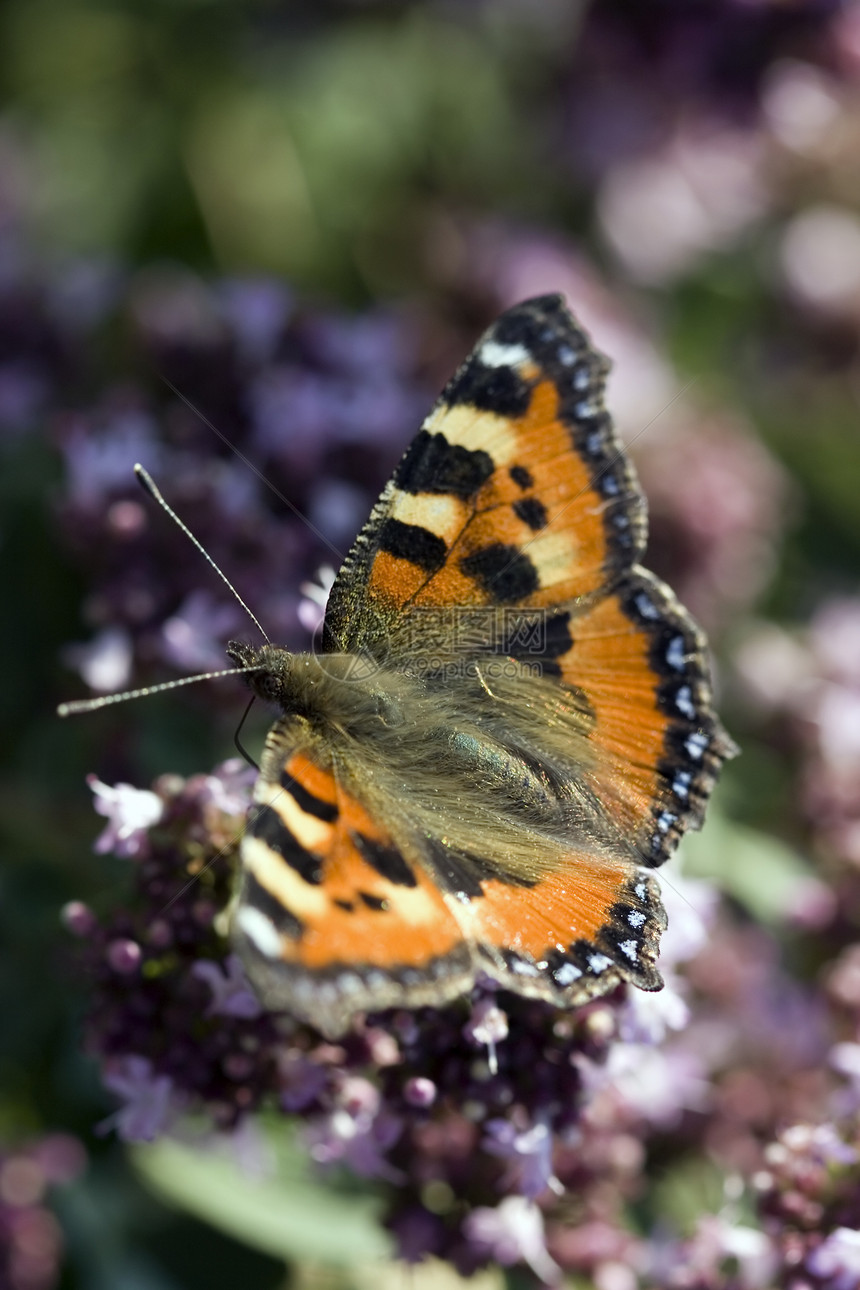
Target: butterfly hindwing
point(335, 915)
point(637, 663)
point(332, 918)
point(579, 932)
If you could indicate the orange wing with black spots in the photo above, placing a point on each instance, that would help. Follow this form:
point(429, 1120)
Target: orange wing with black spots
point(331, 917)
point(508, 720)
point(335, 916)
point(578, 933)
point(637, 663)
point(515, 491)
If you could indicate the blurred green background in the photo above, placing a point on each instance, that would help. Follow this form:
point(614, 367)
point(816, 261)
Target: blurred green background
point(689, 179)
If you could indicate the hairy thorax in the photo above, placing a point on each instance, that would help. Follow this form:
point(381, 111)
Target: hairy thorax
point(336, 694)
point(454, 742)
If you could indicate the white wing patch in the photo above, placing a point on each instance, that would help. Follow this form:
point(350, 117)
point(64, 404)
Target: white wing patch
point(492, 354)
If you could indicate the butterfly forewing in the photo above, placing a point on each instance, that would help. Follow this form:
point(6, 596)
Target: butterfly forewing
point(515, 491)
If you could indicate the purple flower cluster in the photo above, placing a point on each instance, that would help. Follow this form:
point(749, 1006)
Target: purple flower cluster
point(271, 433)
point(172, 1017)
point(686, 120)
point(458, 1110)
point(809, 1197)
point(499, 1129)
point(807, 687)
point(792, 1224)
point(31, 1240)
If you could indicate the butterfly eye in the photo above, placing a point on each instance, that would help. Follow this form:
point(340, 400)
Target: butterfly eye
point(270, 687)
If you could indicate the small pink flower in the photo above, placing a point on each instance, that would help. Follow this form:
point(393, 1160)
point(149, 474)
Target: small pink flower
point(232, 995)
point(228, 788)
point(131, 812)
point(315, 595)
point(838, 1259)
point(193, 638)
point(358, 1139)
point(124, 955)
point(420, 1092)
point(149, 1099)
point(78, 918)
point(529, 1152)
point(105, 661)
point(513, 1232)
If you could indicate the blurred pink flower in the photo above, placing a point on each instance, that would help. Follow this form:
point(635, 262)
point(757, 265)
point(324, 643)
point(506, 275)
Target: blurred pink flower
point(800, 103)
point(513, 1232)
point(105, 662)
point(837, 1259)
point(228, 788)
point(149, 1099)
point(130, 811)
point(507, 263)
point(663, 211)
point(31, 1239)
point(232, 995)
point(819, 258)
point(193, 639)
point(357, 1132)
point(718, 1240)
point(718, 504)
point(815, 682)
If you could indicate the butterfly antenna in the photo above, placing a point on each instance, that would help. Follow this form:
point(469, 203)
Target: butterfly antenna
point(90, 705)
point(149, 484)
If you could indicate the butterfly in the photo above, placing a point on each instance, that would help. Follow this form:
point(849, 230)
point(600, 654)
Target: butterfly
point(507, 724)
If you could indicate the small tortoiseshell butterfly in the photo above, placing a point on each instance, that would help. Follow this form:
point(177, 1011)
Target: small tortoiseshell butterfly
point(507, 724)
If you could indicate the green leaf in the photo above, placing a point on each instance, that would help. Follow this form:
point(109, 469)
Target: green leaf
point(684, 1193)
point(290, 1214)
point(762, 873)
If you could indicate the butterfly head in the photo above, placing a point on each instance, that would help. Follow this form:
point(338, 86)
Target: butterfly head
point(268, 669)
point(327, 689)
